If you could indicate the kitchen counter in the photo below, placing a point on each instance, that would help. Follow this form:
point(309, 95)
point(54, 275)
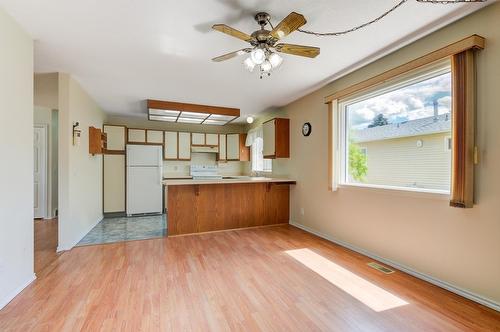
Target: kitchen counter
point(227, 180)
point(197, 206)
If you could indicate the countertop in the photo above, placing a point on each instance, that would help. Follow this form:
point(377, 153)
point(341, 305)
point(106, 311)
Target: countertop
point(227, 180)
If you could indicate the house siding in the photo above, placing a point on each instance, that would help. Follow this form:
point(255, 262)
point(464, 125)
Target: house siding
point(400, 162)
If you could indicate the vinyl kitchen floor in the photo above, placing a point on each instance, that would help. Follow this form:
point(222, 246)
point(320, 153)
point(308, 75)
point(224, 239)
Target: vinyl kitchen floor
point(119, 229)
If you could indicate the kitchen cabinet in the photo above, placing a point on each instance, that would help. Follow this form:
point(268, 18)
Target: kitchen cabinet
point(184, 152)
point(222, 148)
point(235, 147)
point(114, 183)
point(115, 137)
point(97, 141)
point(136, 135)
point(198, 139)
point(170, 148)
point(212, 139)
point(154, 136)
point(276, 138)
point(192, 208)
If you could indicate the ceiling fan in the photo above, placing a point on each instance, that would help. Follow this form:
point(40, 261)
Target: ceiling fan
point(264, 43)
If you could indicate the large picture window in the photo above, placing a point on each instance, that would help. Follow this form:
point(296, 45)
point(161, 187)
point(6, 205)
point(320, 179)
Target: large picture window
point(392, 136)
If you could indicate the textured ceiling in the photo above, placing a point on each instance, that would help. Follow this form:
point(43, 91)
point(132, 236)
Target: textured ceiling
point(125, 51)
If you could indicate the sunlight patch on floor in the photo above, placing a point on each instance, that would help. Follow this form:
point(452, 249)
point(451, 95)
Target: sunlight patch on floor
point(371, 295)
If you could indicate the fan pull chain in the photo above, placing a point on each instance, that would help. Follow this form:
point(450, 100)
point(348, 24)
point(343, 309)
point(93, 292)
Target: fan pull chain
point(375, 20)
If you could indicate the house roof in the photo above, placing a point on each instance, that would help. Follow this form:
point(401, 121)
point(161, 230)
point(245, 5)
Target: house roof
point(424, 126)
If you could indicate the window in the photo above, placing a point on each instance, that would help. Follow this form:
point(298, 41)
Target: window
point(403, 125)
point(259, 164)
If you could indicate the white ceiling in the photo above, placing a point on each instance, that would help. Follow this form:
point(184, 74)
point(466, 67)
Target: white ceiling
point(125, 51)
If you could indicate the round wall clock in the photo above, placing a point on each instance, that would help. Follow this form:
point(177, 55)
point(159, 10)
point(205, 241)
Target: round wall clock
point(306, 129)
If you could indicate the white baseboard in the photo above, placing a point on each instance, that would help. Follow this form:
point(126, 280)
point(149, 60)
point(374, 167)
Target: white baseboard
point(12, 295)
point(443, 284)
point(73, 243)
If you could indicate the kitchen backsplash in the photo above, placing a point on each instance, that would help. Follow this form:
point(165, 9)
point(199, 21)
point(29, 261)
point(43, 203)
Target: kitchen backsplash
point(179, 168)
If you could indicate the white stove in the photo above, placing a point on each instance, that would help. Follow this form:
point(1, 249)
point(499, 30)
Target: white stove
point(205, 172)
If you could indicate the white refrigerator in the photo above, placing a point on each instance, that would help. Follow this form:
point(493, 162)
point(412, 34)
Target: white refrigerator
point(144, 179)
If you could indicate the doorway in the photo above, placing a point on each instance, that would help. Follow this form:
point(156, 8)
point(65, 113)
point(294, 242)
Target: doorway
point(45, 181)
point(40, 151)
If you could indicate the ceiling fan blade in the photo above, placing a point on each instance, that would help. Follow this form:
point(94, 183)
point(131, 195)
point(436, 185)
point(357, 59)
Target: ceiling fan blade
point(300, 50)
point(232, 32)
point(289, 24)
point(231, 55)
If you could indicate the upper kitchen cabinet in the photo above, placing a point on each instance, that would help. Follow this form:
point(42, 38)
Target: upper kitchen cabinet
point(184, 146)
point(212, 139)
point(236, 149)
point(97, 141)
point(136, 135)
point(276, 138)
point(222, 148)
point(116, 138)
point(171, 145)
point(197, 139)
point(154, 136)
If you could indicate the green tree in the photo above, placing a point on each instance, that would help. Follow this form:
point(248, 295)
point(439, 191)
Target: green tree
point(357, 162)
point(378, 120)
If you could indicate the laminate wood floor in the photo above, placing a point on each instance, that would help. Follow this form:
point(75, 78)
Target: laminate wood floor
point(269, 279)
point(45, 243)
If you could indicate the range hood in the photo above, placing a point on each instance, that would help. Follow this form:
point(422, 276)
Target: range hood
point(205, 149)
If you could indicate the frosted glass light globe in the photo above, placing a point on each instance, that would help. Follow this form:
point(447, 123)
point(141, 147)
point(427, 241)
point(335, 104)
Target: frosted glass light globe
point(275, 60)
point(249, 64)
point(250, 119)
point(258, 56)
point(266, 66)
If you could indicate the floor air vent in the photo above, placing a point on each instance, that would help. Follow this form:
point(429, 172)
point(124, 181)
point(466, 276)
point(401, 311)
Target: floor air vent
point(381, 268)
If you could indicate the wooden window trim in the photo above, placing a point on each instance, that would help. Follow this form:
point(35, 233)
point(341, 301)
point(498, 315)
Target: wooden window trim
point(462, 185)
point(471, 42)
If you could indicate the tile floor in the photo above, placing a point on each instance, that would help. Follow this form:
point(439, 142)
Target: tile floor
point(118, 229)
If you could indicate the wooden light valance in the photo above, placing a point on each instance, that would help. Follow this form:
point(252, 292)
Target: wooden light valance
point(464, 155)
point(472, 42)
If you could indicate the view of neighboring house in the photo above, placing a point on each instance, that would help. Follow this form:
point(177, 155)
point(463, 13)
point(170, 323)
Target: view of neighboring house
point(415, 153)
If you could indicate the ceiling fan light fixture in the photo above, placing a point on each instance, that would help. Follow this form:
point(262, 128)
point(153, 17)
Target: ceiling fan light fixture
point(275, 59)
point(250, 119)
point(266, 66)
point(249, 64)
point(258, 55)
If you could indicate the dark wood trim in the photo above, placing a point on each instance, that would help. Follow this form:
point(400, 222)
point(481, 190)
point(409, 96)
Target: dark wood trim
point(229, 230)
point(185, 107)
point(471, 42)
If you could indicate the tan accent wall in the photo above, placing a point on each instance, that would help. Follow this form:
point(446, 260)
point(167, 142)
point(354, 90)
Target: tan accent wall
point(460, 247)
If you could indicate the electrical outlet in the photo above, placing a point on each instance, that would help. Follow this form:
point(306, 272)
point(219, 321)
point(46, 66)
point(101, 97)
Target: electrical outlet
point(302, 212)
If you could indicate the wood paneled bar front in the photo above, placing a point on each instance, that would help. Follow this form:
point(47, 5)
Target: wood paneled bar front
point(199, 207)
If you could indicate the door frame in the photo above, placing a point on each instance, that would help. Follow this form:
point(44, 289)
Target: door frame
point(47, 204)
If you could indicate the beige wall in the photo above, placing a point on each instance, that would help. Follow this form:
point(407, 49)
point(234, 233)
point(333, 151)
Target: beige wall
point(80, 174)
point(457, 246)
point(400, 162)
point(46, 90)
point(16, 167)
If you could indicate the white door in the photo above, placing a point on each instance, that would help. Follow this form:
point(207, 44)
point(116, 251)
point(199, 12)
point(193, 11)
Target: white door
point(222, 147)
point(144, 155)
point(144, 190)
point(40, 171)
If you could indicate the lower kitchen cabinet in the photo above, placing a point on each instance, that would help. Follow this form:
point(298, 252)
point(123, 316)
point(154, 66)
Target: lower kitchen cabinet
point(212, 207)
point(114, 183)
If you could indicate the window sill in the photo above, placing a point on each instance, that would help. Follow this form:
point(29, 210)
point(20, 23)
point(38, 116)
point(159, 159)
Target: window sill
point(400, 191)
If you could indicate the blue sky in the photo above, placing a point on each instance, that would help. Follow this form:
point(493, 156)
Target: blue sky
point(409, 103)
